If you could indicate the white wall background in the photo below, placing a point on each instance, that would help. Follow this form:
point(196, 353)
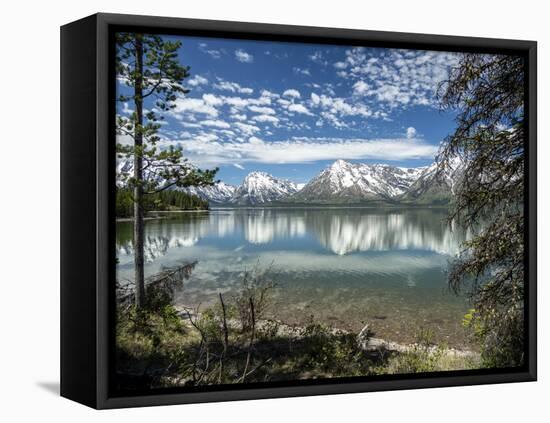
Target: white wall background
point(29, 207)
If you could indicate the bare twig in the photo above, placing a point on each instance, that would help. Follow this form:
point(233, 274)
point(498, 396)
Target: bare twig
point(252, 335)
point(225, 337)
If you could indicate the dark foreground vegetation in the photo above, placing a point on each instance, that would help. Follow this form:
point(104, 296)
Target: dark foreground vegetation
point(234, 342)
point(163, 201)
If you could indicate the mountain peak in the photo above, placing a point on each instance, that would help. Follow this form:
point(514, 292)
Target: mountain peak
point(261, 187)
point(258, 173)
point(258, 179)
point(340, 163)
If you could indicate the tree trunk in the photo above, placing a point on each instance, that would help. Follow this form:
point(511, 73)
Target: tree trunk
point(138, 176)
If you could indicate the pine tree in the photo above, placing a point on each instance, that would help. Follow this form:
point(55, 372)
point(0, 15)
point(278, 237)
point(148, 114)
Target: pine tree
point(148, 66)
point(488, 92)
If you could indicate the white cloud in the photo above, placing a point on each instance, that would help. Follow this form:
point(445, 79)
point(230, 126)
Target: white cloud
point(215, 54)
point(262, 110)
point(126, 109)
point(411, 132)
point(332, 119)
point(255, 140)
point(319, 58)
point(301, 71)
point(283, 102)
point(292, 93)
point(212, 100)
point(392, 94)
point(239, 103)
point(355, 56)
point(243, 56)
point(269, 94)
point(339, 106)
point(197, 80)
point(238, 166)
point(361, 87)
point(232, 86)
point(299, 108)
point(124, 139)
point(205, 138)
point(191, 125)
point(397, 78)
point(239, 116)
point(312, 85)
point(216, 124)
point(306, 150)
point(227, 132)
point(246, 128)
point(315, 98)
point(192, 105)
point(266, 119)
point(329, 89)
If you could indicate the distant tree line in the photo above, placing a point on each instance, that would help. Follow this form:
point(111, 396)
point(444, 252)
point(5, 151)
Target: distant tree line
point(163, 200)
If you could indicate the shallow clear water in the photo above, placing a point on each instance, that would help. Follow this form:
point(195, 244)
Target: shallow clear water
point(343, 266)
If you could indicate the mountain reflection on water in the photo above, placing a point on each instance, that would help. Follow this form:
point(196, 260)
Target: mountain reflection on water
point(340, 231)
point(345, 266)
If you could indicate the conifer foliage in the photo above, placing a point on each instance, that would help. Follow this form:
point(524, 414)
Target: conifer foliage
point(151, 80)
point(488, 91)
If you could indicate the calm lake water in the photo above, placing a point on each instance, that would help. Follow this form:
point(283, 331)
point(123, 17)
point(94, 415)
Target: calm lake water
point(343, 266)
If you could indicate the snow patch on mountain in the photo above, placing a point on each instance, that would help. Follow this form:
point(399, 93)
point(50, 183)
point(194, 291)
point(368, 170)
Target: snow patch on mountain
point(261, 187)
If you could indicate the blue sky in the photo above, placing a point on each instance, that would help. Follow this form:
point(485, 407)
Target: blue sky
point(292, 109)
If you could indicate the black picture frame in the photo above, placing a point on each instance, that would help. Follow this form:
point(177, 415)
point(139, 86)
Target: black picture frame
point(87, 184)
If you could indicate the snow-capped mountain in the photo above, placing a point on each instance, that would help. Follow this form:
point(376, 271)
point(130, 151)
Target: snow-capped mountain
point(217, 193)
point(358, 181)
point(261, 187)
point(433, 186)
point(341, 182)
point(256, 188)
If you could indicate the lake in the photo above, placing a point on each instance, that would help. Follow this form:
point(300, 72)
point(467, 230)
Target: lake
point(344, 267)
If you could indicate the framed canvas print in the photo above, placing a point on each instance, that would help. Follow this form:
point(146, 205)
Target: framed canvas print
point(255, 211)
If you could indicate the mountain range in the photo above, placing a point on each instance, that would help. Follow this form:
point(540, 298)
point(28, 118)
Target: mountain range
point(341, 182)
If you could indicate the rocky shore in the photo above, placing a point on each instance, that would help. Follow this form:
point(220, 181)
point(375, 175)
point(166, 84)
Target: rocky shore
point(364, 339)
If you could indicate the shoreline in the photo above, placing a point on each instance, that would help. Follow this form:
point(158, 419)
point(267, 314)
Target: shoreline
point(389, 330)
point(131, 219)
point(283, 207)
point(330, 206)
point(365, 341)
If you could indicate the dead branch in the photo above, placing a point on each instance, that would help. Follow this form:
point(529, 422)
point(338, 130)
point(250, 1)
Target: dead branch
point(252, 335)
